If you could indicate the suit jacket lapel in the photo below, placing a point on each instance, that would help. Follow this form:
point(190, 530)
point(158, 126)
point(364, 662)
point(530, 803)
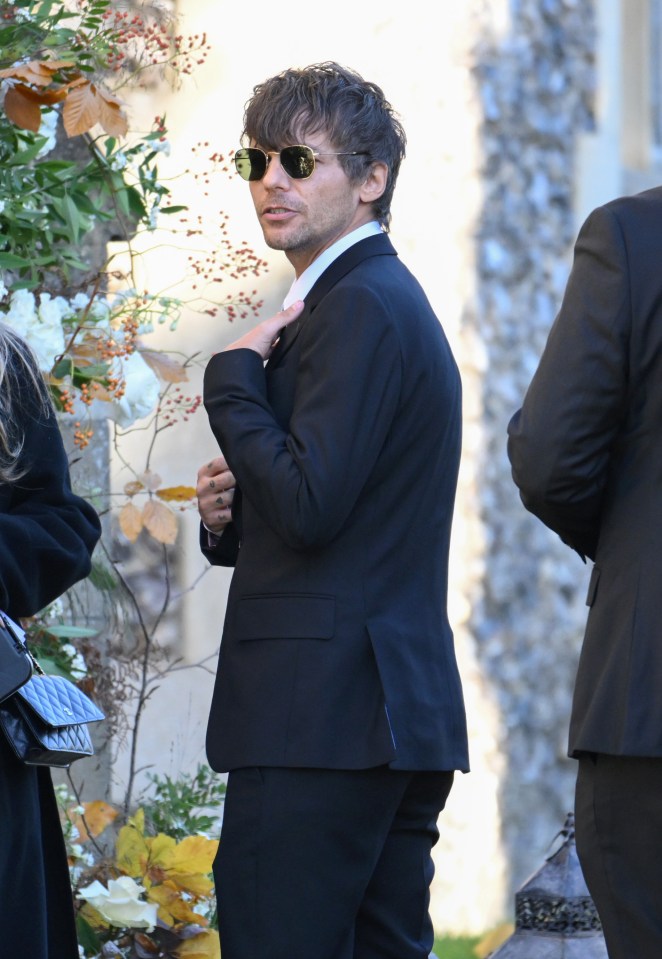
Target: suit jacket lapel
point(378, 245)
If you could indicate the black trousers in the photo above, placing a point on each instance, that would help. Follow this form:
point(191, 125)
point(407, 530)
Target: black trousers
point(618, 829)
point(330, 864)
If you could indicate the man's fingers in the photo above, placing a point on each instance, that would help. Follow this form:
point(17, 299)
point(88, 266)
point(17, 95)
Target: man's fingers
point(276, 323)
point(285, 317)
point(212, 467)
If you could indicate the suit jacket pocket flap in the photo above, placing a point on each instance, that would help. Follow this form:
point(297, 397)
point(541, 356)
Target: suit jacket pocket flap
point(285, 616)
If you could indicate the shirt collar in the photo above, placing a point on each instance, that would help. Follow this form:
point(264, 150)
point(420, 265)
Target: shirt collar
point(303, 284)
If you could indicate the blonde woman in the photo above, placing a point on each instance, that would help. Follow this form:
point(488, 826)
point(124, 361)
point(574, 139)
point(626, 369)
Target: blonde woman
point(47, 535)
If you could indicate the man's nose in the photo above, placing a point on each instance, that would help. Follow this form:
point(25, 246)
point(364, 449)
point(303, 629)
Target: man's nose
point(275, 175)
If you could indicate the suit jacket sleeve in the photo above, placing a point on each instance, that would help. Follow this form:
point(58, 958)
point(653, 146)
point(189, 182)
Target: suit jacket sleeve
point(304, 478)
point(47, 532)
point(220, 550)
point(559, 442)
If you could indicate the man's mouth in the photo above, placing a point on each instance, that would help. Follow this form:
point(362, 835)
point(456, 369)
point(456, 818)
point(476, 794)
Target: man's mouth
point(277, 210)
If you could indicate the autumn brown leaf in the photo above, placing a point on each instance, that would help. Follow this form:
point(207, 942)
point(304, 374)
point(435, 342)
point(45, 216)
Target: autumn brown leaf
point(22, 110)
point(131, 521)
point(176, 494)
point(167, 369)
point(37, 72)
point(88, 104)
point(96, 816)
point(111, 117)
point(133, 487)
point(160, 522)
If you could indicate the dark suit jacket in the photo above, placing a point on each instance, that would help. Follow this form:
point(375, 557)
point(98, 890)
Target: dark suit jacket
point(336, 650)
point(586, 453)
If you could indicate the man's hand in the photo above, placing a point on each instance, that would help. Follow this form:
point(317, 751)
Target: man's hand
point(264, 336)
point(215, 492)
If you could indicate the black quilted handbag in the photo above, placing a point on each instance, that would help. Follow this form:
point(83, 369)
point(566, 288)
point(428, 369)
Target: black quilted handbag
point(16, 663)
point(46, 721)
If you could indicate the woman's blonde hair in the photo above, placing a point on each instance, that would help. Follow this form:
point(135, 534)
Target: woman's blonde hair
point(19, 373)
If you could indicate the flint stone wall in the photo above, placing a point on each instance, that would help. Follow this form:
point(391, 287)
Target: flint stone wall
point(536, 89)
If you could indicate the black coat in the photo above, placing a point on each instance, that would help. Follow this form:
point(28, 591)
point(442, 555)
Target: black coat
point(47, 535)
point(586, 454)
point(336, 649)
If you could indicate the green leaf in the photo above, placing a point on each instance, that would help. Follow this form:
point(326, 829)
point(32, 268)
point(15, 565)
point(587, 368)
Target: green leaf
point(9, 261)
point(102, 578)
point(87, 937)
point(135, 203)
point(63, 368)
point(74, 219)
point(27, 153)
point(71, 632)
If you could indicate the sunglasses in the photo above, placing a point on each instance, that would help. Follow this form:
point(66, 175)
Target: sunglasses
point(297, 161)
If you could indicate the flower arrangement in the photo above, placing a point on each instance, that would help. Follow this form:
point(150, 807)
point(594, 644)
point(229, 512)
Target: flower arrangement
point(154, 895)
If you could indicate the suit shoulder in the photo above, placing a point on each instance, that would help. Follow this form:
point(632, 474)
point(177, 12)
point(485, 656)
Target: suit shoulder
point(635, 207)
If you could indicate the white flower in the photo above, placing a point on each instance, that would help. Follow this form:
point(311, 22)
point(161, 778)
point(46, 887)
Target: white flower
point(2, 206)
point(141, 391)
point(118, 161)
point(48, 129)
point(120, 904)
point(53, 310)
point(54, 610)
point(22, 311)
point(40, 326)
point(3, 290)
point(161, 146)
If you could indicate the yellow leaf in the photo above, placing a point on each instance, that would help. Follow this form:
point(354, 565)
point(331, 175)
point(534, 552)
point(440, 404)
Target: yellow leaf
point(91, 915)
point(167, 369)
point(204, 946)
point(135, 486)
point(172, 908)
point(132, 851)
point(198, 885)
point(160, 522)
point(131, 521)
point(160, 849)
point(176, 494)
point(195, 854)
point(97, 816)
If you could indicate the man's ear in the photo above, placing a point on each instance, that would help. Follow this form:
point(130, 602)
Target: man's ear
point(375, 182)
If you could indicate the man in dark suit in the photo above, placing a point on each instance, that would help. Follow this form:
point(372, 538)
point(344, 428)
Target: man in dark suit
point(338, 708)
point(586, 454)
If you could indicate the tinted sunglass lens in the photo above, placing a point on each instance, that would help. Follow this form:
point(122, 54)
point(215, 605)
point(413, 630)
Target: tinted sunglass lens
point(298, 162)
point(250, 164)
